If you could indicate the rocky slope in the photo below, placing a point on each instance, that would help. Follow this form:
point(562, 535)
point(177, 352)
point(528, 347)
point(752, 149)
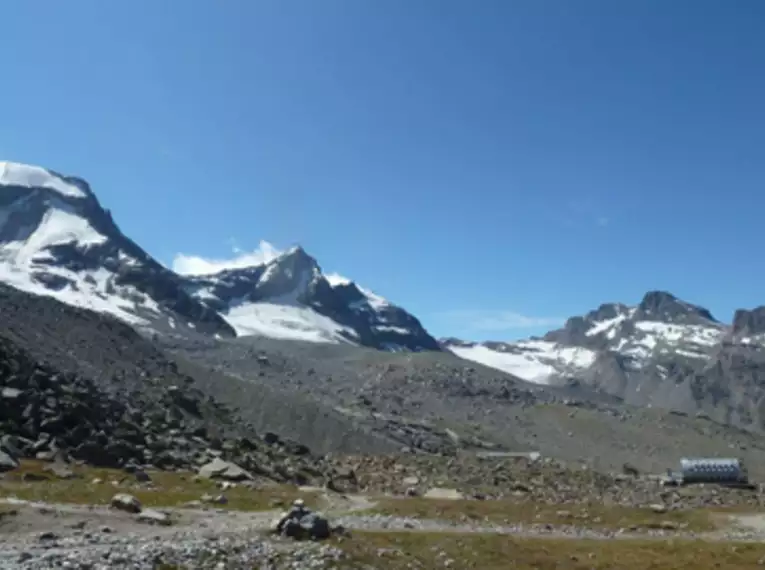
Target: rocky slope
point(57, 240)
point(662, 352)
point(435, 401)
point(58, 417)
point(122, 364)
point(85, 382)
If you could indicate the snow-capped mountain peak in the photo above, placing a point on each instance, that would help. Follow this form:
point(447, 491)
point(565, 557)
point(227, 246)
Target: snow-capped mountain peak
point(13, 174)
point(658, 327)
point(290, 297)
point(57, 240)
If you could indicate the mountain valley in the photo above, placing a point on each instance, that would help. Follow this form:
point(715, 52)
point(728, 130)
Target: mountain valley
point(325, 361)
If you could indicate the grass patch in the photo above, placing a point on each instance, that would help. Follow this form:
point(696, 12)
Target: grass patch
point(594, 516)
point(406, 551)
point(94, 486)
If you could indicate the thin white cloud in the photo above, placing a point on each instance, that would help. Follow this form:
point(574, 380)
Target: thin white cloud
point(195, 265)
point(485, 320)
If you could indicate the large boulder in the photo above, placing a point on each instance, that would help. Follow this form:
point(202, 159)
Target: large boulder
point(315, 526)
point(311, 526)
point(7, 463)
point(155, 517)
point(125, 502)
point(220, 469)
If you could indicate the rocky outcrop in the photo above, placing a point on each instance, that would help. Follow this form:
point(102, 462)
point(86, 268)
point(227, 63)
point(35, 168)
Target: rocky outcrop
point(665, 307)
point(749, 322)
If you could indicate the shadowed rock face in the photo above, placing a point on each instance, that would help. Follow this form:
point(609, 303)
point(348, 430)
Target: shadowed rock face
point(665, 307)
point(749, 322)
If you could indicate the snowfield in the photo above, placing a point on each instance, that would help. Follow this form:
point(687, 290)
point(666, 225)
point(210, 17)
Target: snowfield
point(533, 361)
point(286, 322)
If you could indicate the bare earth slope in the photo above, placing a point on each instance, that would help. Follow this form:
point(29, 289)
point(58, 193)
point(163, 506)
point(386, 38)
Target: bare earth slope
point(475, 405)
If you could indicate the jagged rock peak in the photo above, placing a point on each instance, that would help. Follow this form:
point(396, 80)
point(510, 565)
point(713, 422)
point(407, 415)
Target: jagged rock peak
point(664, 306)
point(607, 311)
point(749, 322)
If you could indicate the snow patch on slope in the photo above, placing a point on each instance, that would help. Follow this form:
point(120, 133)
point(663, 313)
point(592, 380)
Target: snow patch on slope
point(657, 338)
point(609, 325)
point(57, 227)
point(533, 361)
point(25, 261)
point(521, 365)
point(93, 290)
point(671, 333)
point(286, 322)
point(14, 174)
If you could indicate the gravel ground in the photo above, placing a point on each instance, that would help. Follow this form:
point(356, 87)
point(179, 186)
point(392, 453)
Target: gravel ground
point(63, 536)
point(749, 528)
point(43, 536)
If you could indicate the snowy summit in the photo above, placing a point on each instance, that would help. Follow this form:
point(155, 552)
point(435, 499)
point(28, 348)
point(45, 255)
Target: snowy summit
point(57, 240)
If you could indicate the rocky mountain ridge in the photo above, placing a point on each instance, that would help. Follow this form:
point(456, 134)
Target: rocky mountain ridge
point(291, 298)
point(57, 240)
point(661, 352)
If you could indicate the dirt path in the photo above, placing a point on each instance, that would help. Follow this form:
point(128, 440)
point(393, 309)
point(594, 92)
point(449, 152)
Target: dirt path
point(72, 530)
point(35, 518)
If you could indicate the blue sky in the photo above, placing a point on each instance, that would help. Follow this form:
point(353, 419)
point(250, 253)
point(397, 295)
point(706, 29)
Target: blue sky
point(492, 166)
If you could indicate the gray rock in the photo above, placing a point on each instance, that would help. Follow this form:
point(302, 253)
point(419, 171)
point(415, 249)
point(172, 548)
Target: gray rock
point(153, 516)
point(142, 477)
point(7, 463)
point(125, 502)
point(60, 470)
point(221, 469)
point(316, 526)
point(10, 393)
